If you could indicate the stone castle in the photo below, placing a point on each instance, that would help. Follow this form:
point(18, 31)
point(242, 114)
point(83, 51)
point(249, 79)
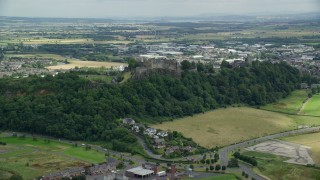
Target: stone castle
point(163, 66)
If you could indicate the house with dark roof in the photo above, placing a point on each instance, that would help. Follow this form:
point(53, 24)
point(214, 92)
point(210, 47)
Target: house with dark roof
point(128, 121)
point(101, 169)
point(112, 161)
point(172, 150)
point(110, 165)
point(188, 149)
point(159, 143)
point(69, 173)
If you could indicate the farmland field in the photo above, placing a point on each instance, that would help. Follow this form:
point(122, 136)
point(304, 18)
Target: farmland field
point(312, 107)
point(226, 126)
point(52, 41)
point(273, 167)
point(31, 158)
point(291, 104)
point(37, 55)
point(311, 140)
point(93, 64)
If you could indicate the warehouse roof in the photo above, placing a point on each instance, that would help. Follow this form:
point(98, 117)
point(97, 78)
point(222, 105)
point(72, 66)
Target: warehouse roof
point(140, 171)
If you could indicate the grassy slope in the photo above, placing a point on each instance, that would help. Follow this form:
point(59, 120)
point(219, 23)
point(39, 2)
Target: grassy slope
point(311, 140)
point(127, 76)
point(273, 167)
point(313, 106)
point(34, 158)
point(291, 104)
point(226, 126)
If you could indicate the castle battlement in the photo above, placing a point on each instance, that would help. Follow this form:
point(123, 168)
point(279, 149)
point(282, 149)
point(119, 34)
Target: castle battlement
point(169, 66)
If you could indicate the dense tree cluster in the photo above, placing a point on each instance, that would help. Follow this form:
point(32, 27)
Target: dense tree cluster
point(250, 160)
point(71, 107)
point(233, 162)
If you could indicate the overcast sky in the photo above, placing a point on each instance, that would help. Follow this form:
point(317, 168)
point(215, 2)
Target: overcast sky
point(151, 8)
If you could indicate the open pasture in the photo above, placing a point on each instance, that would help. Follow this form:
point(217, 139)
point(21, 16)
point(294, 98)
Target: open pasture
point(227, 126)
point(30, 158)
point(92, 64)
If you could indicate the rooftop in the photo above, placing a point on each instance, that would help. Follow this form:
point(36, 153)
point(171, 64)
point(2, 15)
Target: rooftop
point(140, 171)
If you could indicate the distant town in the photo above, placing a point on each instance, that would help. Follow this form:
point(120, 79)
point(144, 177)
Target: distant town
point(103, 99)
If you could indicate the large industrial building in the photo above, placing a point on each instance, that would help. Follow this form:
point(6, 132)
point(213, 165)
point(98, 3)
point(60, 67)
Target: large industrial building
point(139, 172)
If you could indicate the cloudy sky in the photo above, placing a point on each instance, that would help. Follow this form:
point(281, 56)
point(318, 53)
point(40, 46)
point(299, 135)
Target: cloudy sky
point(151, 8)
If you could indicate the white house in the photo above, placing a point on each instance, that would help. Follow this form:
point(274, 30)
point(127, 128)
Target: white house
point(162, 133)
point(151, 131)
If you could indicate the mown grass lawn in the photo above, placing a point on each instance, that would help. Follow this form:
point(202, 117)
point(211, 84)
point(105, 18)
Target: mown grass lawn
point(313, 106)
point(85, 155)
point(290, 104)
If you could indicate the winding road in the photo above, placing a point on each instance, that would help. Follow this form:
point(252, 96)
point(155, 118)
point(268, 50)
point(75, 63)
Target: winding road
point(223, 153)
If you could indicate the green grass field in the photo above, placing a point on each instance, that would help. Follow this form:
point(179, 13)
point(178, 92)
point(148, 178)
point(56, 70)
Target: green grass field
point(274, 168)
point(226, 126)
point(261, 32)
point(31, 158)
point(37, 55)
point(221, 177)
point(312, 107)
point(312, 140)
point(126, 77)
point(291, 104)
point(49, 41)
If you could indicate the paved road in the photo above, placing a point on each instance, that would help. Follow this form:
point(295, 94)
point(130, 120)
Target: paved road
point(159, 157)
point(223, 153)
point(246, 168)
point(147, 150)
